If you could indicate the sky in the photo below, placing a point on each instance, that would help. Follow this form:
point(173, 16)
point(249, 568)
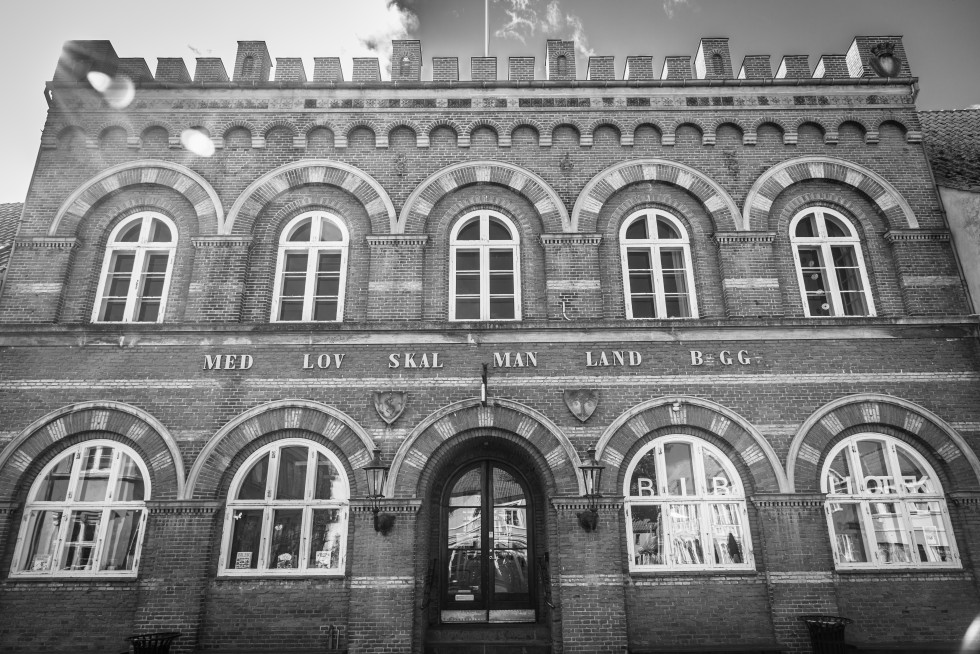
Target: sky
point(940, 38)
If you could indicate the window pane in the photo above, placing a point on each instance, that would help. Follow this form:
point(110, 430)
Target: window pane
point(329, 484)
point(684, 527)
point(119, 550)
point(246, 536)
point(468, 490)
point(465, 555)
point(502, 260)
point(807, 227)
point(325, 310)
point(114, 311)
point(291, 310)
point(291, 484)
point(160, 232)
point(638, 260)
point(152, 287)
point(122, 263)
point(325, 539)
point(648, 535)
point(295, 262)
point(677, 306)
point(507, 490)
point(329, 231)
point(501, 308)
point(839, 479)
point(287, 529)
point(117, 285)
point(54, 486)
point(470, 232)
point(643, 483)
point(42, 540)
point(641, 283)
point(129, 484)
point(510, 572)
point(727, 540)
point(327, 286)
point(835, 229)
point(156, 263)
point(131, 234)
point(716, 480)
point(93, 481)
point(680, 469)
point(253, 486)
point(889, 533)
point(844, 256)
point(301, 232)
point(666, 230)
point(914, 478)
point(329, 262)
point(854, 304)
point(498, 231)
point(643, 307)
point(467, 260)
point(675, 282)
point(293, 286)
point(502, 284)
point(671, 259)
point(148, 312)
point(845, 520)
point(510, 528)
point(638, 229)
point(467, 309)
point(83, 529)
point(467, 284)
point(929, 535)
point(871, 457)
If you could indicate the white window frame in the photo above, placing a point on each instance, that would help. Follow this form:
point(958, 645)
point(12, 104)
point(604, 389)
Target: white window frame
point(653, 245)
point(69, 505)
point(825, 243)
point(484, 245)
point(312, 249)
point(700, 497)
point(268, 505)
point(861, 495)
point(140, 249)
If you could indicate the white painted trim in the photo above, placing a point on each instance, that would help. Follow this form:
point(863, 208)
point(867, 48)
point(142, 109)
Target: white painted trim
point(484, 245)
point(653, 245)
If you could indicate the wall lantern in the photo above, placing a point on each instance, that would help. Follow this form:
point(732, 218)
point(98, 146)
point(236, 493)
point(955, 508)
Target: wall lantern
point(591, 475)
point(377, 475)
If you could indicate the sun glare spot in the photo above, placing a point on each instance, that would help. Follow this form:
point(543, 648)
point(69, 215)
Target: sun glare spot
point(118, 92)
point(197, 141)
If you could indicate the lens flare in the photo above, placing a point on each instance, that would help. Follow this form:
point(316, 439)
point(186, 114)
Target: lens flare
point(197, 141)
point(118, 92)
point(99, 81)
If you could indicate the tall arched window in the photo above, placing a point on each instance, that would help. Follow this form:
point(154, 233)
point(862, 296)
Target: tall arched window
point(685, 508)
point(85, 514)
point(485, 280)
point(136, 272)
point(657, 274)
point(885, 507)
point(829, 264)
point(311, 269)
point(287, 513)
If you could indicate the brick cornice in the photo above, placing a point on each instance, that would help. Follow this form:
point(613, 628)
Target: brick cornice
point(893, 235)
point(222, 242)
point(183, 506)
point(571, 239)
point(602, 504)
point(8, 507)
point(966, 498)
point(788, 500)
point(396, 505)
point(406, 240)
point(47, 242)
point(744, 237)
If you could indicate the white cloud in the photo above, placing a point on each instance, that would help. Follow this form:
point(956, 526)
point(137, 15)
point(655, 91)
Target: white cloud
point(670, 6)
point(528, 17)
point(375, 24)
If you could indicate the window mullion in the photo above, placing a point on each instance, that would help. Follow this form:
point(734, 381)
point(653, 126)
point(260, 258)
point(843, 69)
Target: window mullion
point(265, 544)
point(129, 314)
point(658, 280)
point(831, 270)
point(484, 279)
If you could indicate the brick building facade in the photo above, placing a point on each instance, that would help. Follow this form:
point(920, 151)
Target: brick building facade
point(737, 287)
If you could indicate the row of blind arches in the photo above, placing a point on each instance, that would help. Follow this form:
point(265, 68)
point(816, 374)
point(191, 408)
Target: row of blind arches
point(485, 271)
point(287, 511)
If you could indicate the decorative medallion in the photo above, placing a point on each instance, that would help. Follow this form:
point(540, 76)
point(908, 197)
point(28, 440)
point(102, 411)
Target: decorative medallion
point(390, 404)
point(884, 61)
point(565, 163)
point(582, 402)
point(399, 165)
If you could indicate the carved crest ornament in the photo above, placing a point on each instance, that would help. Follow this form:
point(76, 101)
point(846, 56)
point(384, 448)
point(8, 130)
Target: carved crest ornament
point(582, 402)
point(390, 404)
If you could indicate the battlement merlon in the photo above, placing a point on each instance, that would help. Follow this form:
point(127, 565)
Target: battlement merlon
point(869, 58)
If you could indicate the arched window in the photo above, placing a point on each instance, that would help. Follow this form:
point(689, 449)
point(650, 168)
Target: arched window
point(248, 66)
point(287, 513)
point(657, 274)
point(561, 63)
point(406, 66)
point(829, 264)
point(885, 507)
point(718, 64)
point(136, 272)
point(85, 514)
point(685, 508)
point(485, 278)
point(311, 270)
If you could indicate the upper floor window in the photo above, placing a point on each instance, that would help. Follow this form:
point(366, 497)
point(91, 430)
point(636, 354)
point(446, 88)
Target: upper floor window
point(485, 276)
point(829, 264)
point(311, 269)
point(685, 508)
point(885, 507)
point(287, 512)
point(85, 514)
point(136, 272)
point(657, 272)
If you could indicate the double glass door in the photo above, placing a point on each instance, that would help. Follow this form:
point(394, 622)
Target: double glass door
point(486, 553)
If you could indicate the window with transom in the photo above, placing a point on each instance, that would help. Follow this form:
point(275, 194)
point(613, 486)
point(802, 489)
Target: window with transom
point(136, 271)
point(685, 508)
point(85, 514)
point(657, 274)
point(287, 513)
point(829, 264)
point(885, 506)
point(484, 278)
point(311, 270)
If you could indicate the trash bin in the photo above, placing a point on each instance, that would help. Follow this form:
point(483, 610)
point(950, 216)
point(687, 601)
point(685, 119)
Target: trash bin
point(158, 643)
point(826, 633)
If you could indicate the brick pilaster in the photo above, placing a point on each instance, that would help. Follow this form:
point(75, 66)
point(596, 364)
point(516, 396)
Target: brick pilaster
point(34, 288)
point(573, 289)
point(220, 269)
point(927, 273)
point(751, 286)
point(395, 286)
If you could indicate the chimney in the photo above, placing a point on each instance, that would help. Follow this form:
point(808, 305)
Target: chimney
point(713, 60)
point(638, 67)
point(601, 68)
point(832, 66)
point(135, 68)
point(445, 69)
point(290, 69)
point(560, 63)
point(366, 69)
point(172, 69)
point(483, 69)
point(327, 69)
point(210, 69)
point(755, 67)
point(865, 50)
point(252, 64)
point(520, 68)
point(677, 68)
point(79, 58)
point(406, 61)
point(794, 67)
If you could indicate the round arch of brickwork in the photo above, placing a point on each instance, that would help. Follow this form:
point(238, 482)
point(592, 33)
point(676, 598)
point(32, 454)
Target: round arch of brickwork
point(504, 416)
point(134, 426)
point(546, 202)
point(785, 174)
point(719, 204)
point(197, 190)
point(811, 442)
point(332, 424)
point(724, 424)
point(358, 183)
